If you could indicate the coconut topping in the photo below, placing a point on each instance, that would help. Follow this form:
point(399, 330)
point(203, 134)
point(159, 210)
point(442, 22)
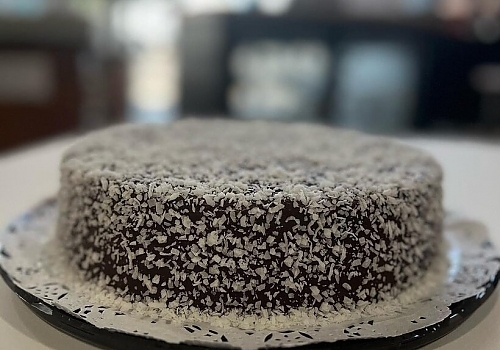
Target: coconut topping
point(246, 217)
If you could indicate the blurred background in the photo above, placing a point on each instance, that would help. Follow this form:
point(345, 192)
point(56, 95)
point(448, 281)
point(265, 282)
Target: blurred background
point(382, 66)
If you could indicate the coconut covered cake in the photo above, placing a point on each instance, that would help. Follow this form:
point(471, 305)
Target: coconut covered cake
point(222, 215)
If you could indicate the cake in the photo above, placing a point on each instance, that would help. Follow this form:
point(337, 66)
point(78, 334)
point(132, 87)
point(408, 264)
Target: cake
point(252, 217)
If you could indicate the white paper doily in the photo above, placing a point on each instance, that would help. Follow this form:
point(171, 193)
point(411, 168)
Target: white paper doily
point(469, 278)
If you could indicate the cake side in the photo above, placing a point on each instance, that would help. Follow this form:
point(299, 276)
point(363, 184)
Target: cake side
point(249, 216)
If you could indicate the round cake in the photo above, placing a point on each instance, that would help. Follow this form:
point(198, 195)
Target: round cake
point(251, 217)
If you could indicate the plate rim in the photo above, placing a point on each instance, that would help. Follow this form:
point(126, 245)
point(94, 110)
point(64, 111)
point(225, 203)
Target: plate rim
point(102, 337)
point(108, 338)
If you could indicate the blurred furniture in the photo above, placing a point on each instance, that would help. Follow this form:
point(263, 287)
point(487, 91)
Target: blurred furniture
point(443, 96)
point(40, 94)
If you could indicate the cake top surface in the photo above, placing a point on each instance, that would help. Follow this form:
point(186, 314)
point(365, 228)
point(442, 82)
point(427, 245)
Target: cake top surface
point(257, 159)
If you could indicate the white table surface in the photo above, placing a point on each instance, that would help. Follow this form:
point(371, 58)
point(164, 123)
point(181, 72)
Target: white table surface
point(472, 186)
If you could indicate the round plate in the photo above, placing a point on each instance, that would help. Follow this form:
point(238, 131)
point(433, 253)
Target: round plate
point(469, 279)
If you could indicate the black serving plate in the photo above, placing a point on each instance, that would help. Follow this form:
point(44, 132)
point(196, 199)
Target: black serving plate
point(481, 260)
point(111, 339)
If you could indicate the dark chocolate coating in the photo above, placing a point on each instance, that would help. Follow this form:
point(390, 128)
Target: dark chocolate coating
point(333, 249)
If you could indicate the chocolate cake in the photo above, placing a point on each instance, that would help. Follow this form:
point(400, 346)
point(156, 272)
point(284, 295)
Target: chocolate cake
point(224, 215)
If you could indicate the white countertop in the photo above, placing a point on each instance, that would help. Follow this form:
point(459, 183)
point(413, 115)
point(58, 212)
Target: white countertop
point(471, 185)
